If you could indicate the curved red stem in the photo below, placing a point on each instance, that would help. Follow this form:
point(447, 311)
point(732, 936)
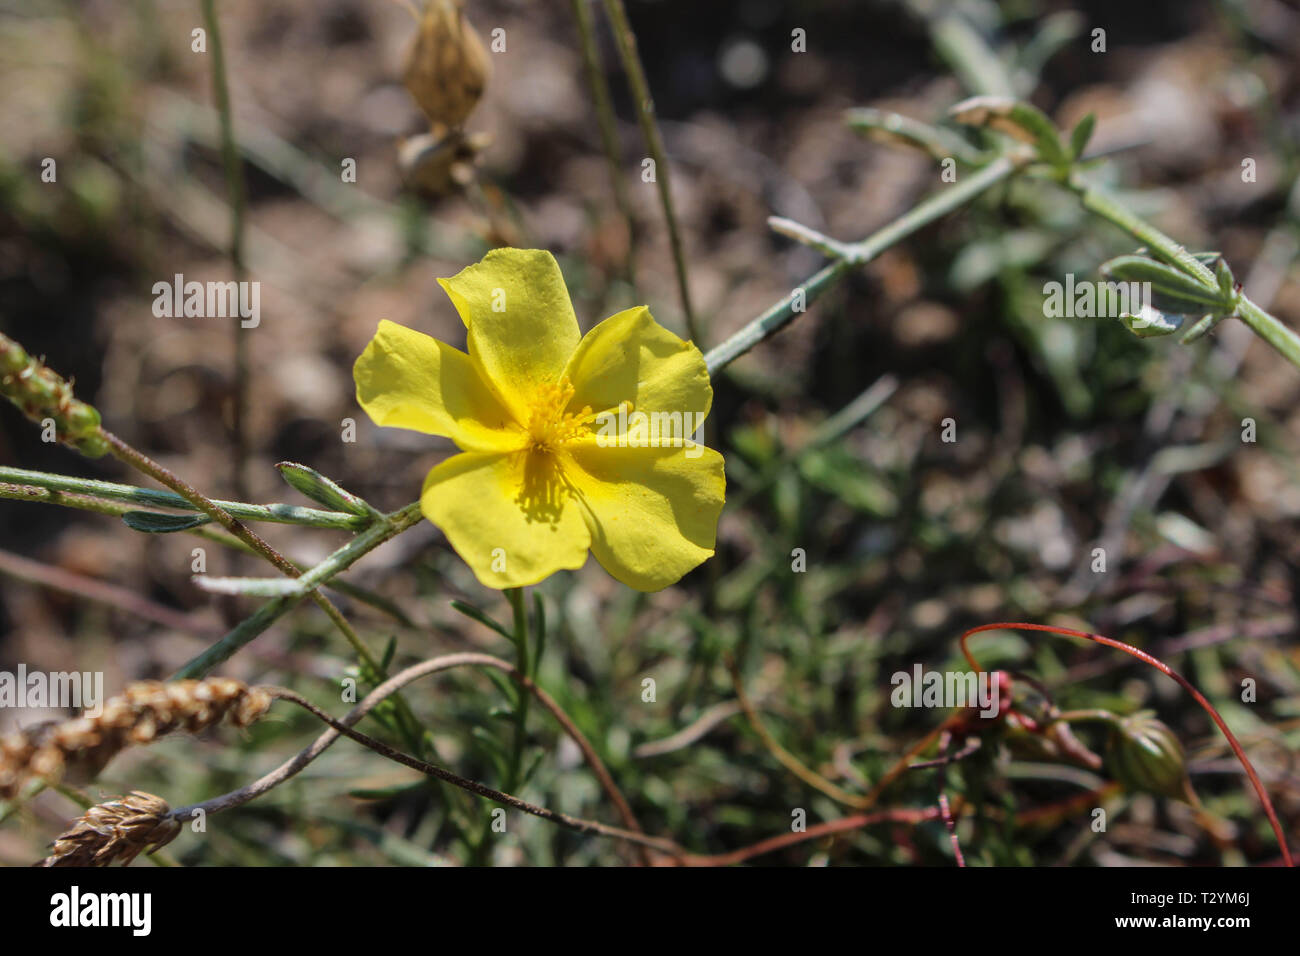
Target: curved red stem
point(1166, 669)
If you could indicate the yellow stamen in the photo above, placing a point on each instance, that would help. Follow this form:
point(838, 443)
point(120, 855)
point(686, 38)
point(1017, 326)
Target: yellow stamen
point(549, 424)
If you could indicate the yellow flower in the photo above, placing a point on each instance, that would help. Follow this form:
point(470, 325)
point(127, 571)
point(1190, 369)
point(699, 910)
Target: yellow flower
point(568, 442)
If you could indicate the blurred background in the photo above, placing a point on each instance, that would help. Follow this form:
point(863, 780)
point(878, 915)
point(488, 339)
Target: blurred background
point(1072, 434)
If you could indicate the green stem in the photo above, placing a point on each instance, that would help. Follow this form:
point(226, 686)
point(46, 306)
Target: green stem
point(608, 127)
point(856, 254)
point(1269, 328)
point(1103, 204)
point(625, 39)
point(276, 513)
point(235, 190)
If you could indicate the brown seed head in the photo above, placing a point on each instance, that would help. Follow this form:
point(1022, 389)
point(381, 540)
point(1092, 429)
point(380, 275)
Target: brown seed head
point(78, 749)
point(116, 831)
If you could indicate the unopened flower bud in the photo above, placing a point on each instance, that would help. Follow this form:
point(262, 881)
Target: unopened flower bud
point(1144, 754)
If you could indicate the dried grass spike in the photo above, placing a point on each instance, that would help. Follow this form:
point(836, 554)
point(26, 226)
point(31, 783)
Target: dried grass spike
point(116, 831)
point(78, 749)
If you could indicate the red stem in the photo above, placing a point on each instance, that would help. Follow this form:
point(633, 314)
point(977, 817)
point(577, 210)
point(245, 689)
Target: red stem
point(1166, 669)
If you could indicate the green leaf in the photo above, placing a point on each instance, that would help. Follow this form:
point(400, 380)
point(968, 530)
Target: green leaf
point(319, 488)
point(1227, 282)
point(1150, 322)
point(389, 650)
point(470, 611)
point(539, 626)
point(1081, 134)
point(1172, 290)
point(154, 522)
point(1015, 119)
point(894, 128)
point(252, 587)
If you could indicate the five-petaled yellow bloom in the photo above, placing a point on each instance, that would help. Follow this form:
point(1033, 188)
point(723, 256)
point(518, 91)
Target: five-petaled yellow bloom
point(562, 449)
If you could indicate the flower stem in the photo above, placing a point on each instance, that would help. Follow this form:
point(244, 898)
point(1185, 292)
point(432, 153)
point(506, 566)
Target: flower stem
point(235, 193)
point(625, 39)
point(608, 126)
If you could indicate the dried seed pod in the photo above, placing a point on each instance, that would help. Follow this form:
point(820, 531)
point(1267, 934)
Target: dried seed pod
point(441, 161)
point(447, 67)
point(1144, 754)
point(78, 749)
point(116, 831)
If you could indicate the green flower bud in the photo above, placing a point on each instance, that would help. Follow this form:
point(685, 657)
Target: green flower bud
point(12, 357)
point(42, 393)
point(92, 446)
point(1144, 754)
point(82, 419)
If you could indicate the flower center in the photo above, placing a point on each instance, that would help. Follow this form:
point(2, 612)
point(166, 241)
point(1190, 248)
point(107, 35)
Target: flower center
point(549, 425)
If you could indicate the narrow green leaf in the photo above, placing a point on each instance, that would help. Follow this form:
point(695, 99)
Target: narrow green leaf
point(252, 587)
point(539, 616)
point(1016, 119)
point(470, 611)
point(1179, 291)
point(894, 128)
point(153, 522)
point(1080, 135)
point(1150, 322)
point(321, 489)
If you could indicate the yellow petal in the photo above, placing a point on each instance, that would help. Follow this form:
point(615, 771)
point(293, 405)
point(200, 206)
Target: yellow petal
point(632, 357)
point(652, 512)
point(406, 379)
point(508, 516)
point(521, 325)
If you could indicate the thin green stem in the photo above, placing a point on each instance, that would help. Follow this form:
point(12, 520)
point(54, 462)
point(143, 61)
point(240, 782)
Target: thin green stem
point(608, 126)
point(1269, 328)
point(147, 497)
point(625, 40)
point(855, 254)
point(235, 190)
point(1103, 204)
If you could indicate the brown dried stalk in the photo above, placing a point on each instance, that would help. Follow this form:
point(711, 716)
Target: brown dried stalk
point(116, 831)
point(78, 749)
